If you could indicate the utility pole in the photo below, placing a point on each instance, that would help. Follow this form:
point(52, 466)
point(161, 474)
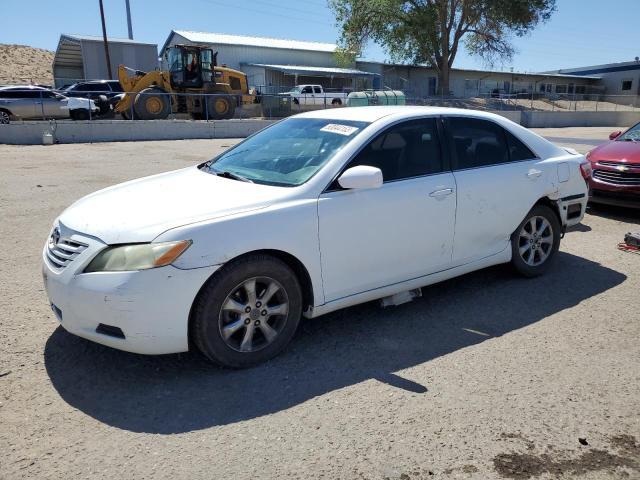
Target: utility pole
point(104, 39)
point(129, 20)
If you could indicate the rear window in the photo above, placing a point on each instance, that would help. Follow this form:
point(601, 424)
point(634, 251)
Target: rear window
point(518, 150)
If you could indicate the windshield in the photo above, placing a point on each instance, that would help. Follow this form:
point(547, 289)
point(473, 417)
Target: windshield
point(288, 153)
point(295, 90)
point(631, 135)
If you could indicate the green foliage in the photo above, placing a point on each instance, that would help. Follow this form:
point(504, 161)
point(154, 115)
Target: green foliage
point(430, 31)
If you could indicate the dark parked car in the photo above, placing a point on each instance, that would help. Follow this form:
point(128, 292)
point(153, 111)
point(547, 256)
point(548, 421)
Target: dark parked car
point(103, 92)
point(615, 178)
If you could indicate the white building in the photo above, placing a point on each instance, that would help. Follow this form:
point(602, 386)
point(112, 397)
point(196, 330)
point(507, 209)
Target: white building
point(275, 64)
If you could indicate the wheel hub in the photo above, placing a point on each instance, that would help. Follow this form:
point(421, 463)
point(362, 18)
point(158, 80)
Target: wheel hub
point(535, 241)
point(253, 314)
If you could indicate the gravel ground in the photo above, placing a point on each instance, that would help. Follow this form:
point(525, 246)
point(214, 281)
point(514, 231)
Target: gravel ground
point(486, 376)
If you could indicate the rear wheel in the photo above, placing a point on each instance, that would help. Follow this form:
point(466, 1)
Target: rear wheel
point(247, 312)
point(5, 117)
point(336, 101)
point(152, 104)
point(535, 242)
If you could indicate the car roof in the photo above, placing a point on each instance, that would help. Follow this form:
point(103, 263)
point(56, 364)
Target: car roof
point(374, 113)
point(23, 87)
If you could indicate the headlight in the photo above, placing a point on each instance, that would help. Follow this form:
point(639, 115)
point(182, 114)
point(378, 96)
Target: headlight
point(140, 256)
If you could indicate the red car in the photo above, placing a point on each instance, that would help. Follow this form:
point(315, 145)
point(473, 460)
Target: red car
point(615, 177)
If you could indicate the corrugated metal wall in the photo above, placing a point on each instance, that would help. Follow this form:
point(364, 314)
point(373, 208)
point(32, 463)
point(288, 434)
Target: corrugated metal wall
point(236, 56)
point(140, 57)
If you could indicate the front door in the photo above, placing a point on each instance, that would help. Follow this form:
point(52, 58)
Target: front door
point(402, 230)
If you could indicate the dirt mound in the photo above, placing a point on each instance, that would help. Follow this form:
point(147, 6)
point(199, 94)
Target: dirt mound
point(20, 64)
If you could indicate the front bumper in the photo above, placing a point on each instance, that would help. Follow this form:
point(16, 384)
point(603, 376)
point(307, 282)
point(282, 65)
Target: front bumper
point(150, 307)
point(622, 192)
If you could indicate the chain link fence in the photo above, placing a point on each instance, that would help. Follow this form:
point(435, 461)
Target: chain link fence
point(36, 103)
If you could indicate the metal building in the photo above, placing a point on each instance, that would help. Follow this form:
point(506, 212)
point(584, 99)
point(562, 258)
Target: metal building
point(621, 78)
point(273, 64)
point(82, 57)
point(422, 81)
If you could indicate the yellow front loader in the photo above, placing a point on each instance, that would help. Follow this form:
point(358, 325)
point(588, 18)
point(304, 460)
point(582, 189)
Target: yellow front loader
point(194, 84)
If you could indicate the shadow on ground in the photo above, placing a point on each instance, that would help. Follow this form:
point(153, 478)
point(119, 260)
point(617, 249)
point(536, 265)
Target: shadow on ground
point(178, 393)
point(620, 214)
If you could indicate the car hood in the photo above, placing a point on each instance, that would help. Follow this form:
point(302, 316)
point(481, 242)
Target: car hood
point(140, 210)
point(624, 152)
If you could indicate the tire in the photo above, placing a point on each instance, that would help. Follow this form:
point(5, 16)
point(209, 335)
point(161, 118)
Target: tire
point(152, 104)
point(336, 101)
point(220, 107)
point(79, 114)
point(296, 101)
point(536, 241)
point(221, 306)
point(5, 117)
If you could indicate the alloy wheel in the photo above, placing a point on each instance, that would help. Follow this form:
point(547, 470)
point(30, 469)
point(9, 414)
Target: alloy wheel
point(4, 118)
point(535, 241)
point(253, 314)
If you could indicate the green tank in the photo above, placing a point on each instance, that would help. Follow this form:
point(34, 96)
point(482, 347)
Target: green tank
point(376, 97)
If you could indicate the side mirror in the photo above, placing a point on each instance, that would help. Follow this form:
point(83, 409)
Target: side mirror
point(361, 176)
point(615, 135)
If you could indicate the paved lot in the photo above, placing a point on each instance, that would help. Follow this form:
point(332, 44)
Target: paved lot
point(486, 376)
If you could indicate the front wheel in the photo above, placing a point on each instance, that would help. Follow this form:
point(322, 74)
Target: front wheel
point(247, 312)
point(535, 242)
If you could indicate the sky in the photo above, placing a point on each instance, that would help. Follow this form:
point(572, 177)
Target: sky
point(581, 32)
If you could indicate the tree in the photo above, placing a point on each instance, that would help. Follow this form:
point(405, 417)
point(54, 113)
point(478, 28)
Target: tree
point(430, 31)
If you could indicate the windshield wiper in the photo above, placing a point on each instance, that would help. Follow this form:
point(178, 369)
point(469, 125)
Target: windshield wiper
point(233, 176)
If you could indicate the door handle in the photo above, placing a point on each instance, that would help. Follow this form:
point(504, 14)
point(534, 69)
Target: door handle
point(441, 193)
point(533, 173)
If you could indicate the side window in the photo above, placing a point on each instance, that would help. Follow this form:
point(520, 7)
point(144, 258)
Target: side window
point(410, 149)
point(307, 90)
point(234, 83)
point(518, 150)
point(476, 143)
point(317, 90)
point(115, 86)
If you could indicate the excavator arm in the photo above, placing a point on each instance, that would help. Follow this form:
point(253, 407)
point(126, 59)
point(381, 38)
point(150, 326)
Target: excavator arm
point(133, 84)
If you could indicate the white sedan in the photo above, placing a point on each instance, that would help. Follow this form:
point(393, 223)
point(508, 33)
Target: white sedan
point(318, 212)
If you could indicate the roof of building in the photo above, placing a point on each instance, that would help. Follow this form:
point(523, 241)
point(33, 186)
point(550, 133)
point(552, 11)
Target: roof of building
point(543, 74)
point(96, 38)
point(305, 70)
point(595, 69)
point(265, 42)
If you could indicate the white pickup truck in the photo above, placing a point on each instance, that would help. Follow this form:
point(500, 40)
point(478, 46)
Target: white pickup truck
point(315, 95)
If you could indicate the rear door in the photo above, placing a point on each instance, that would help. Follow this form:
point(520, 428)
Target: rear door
point(372, 238)
point(319, 97)
point(498, 179)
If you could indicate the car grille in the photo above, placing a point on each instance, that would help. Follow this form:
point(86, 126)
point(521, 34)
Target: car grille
point(617, 177)
point(63, 252)
point(610, 164)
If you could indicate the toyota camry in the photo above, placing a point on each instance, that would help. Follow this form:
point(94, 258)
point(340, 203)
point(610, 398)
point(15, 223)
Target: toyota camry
point(315, 213)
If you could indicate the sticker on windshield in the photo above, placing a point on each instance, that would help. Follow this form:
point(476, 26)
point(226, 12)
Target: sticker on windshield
point(345, 130)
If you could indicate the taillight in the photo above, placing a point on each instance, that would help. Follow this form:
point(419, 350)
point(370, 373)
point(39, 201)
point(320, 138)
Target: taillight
point(585, 170)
